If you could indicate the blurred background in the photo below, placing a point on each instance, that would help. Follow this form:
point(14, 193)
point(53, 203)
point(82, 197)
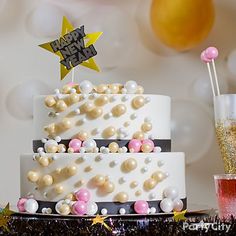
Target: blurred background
point(157, 43)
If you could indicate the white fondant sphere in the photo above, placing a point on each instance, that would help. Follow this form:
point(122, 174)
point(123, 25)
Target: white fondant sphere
point(171, 192)
point(166, 205)
point(86, 87)
point(178, 204)
point(89, 145)
point(104, 211)
point(31, 206)
point(92, 208)
point(131, 86)
point(153, 210)
point(122, 211)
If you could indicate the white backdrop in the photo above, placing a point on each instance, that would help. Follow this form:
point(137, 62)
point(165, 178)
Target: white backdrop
point(159, 70)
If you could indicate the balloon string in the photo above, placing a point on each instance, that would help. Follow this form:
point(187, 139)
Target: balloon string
point(211, 79)
point(216, 78)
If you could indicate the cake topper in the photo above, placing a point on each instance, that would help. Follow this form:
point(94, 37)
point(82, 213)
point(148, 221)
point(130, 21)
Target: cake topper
point(74, 48)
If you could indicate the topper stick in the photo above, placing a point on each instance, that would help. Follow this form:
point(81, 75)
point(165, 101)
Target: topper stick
point(73, 75)
point(216, 78)
point(211, 79)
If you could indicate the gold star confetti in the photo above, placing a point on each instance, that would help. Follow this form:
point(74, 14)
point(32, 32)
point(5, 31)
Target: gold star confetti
point(74, 51)
point(100, 220)
point(5, 214)
point(178, 216)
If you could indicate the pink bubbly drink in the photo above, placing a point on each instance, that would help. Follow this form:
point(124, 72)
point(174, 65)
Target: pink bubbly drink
point(226, 195)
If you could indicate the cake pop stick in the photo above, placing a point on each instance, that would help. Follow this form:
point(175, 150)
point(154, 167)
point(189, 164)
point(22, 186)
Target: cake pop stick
point(212, 53)
point(207, 61)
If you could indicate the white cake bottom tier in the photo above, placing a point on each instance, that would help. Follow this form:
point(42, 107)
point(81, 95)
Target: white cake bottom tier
point(122, 178)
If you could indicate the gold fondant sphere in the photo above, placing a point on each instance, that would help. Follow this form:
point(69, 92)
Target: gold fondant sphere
point(109, 132)
point(138, 102)
point(138, 135)
point(113, 147)
point(138, 193)
point(43, 161)
point(64, 209)
point(88, 106)
point(130, 164)
point(66, 123)
point(133, 184)
point(61, 148)
point(102, 100)
point(101, 88)
point(108, 187)
point(59, 189)
point(33, 176)
point(146, 148)
point(115, 88)
point(96, 112)
point(118, 110)
point(50, 101)
point(71, 170)
point(70, 150)
point(158, 176)
point(50, 129)
point(66, 89)
point(146, 126)
point(61, 106)
point(122, 197)
point(140, 90)
point(82, 135)
point(74, 97)
point(150, 184)
point(70, 196)
point(98, 180)
point(47, 180)
point(51, 148)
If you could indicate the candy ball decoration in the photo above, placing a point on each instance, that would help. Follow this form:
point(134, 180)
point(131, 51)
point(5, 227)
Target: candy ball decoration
point(31, 206)
point(86, 87)
point(33, 176)
point(138, 102)
point(83, 195)
point(141, 207)
point(204, 58)
point(131, 86)
point(98, 180)
point(19, 100)
point(135, 145)
point(211, 53)
point(92, 208)
point(122, 197)
point(89, 145)
point(79, 208)
point(178, 205)
point(177, 23)
point(21, 204)
point(171, 192)
point(113, 147)
point(75, 144)
point(108, 187)
point(146, 147)
point(166, 205)
point(130, 164)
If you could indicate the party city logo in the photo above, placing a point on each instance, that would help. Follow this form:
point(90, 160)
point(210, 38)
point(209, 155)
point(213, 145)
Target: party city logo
point(206, 226)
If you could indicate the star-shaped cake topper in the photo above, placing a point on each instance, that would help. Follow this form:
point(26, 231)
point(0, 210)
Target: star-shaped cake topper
point(178, 216)
point(5, 214)
point(100, 220)
point(74, 47)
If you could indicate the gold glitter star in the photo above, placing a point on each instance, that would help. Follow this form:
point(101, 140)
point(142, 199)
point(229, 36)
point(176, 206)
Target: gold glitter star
point(90, 38)
point(178, 216)
point(5, 217)
point(100, 220)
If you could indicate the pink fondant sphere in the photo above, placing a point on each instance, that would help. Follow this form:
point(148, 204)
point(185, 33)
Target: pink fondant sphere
point(141, 207)
point(75, 144)
point(204, 58)
point(21, 204)
point(211, 53)
point(135, 145)
point(150, 142)
point(83, 195)
point(79, 208)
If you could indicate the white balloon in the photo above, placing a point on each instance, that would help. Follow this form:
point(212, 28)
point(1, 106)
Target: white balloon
point(31, 206)
point(231, 62)
point(171, 192)
point(19, 101)
point(201, 89)
point(92, 208)
point(45, 21)
point(119, 36)
point(166, 205)
point(192, 129)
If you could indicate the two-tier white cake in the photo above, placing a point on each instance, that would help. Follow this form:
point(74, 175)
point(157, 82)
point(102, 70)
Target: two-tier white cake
point(102, 150)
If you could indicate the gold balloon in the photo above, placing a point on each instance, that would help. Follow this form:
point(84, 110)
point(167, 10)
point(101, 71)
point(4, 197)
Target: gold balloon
point(146, 148)
point(71, 170)
point(96, 112)
point(47, 180)
point(182, 24)
point(138, 102)
point(118, 110)
point(113, 147)
point(50, 101)
point(150, 184)
point(82, 135)
point(61, 106)
point(158, 176)
point(74, 97)
point(98, 180)
point(109, 132)
point(146, 126)
point(130, 164)
point(102, 100)
point(122, 197)
point(138, 135)
point(43, 161)
point(108, 187)
point(33, 176)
